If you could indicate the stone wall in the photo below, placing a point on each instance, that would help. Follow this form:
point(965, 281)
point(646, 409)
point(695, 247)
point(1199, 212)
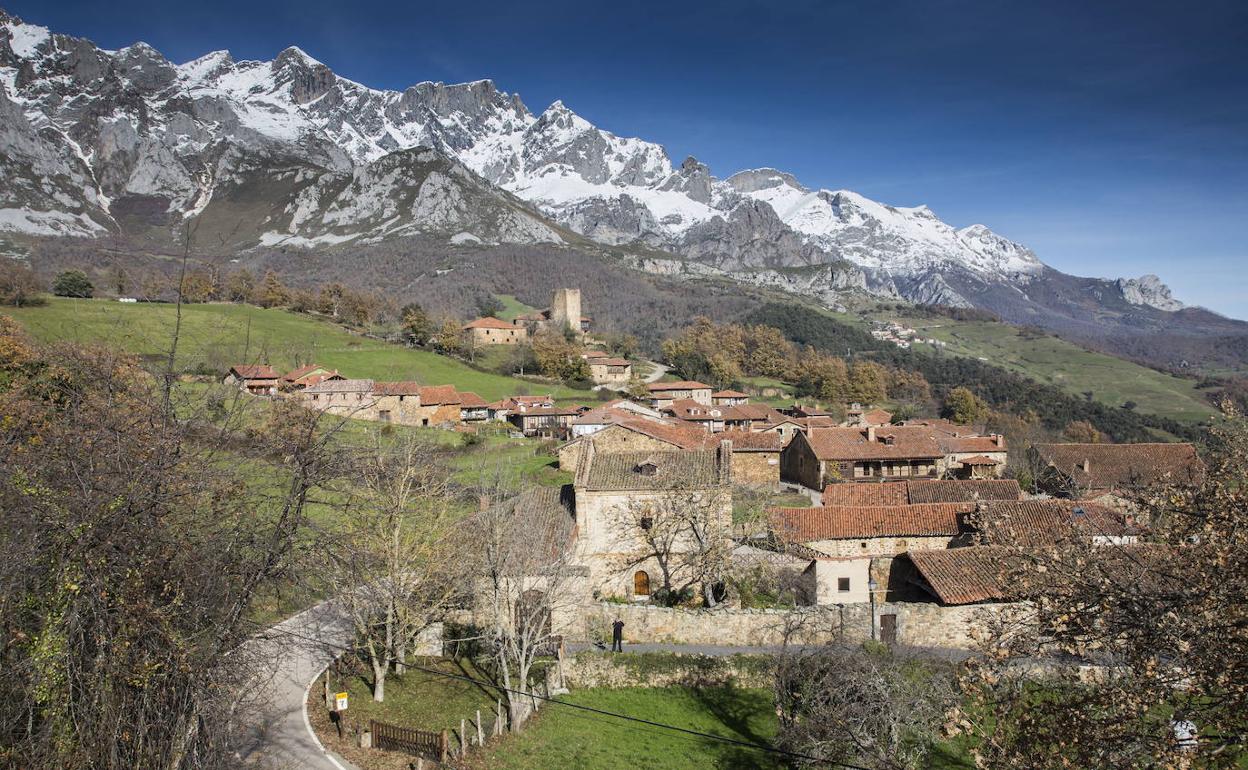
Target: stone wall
point(756, 468)
point(918, 624)
point(591, 668)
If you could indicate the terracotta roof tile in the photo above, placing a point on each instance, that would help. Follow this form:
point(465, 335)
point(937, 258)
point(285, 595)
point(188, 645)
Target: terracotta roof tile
point(965, 575)
point(406, 388)
point(751, 441)
point(470, 400)
point(254, 371)
point(1123, 466)
point(435, 395)
point(854, 443)
point(1033, 523)
point(840, 522)
point(489, 323)
point(891, 493)
point(729, 394)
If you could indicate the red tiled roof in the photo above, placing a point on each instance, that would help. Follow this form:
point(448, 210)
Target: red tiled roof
point(434, 395)
point(840, 522)
point(295, 375)
point(342, 386)
point(548, 411)
point(730, 394)
point(888, 493)
point(980, 460)
point(966, 575)
point(680, 436)
point(470, 400)
point(921, 491)
point(599, 361)
point(853, 444)
point(254, 371)
point(658, 387)
point(489, 322)
point(1048, 522)
point(877, 417)
point(1121, 466)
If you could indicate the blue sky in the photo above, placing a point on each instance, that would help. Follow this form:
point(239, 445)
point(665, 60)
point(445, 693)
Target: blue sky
point(1111, 137)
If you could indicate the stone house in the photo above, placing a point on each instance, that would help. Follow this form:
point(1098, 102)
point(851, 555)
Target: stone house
point(610, 371)
point(786, 428)
point(549, 422)
point(304, 376)
point(729, 398)
point(492, 331)
point(968, 455)
point(1050, 522)
point(662, 394)
point(403, 403)
point(473, 408)
point(256, 379)
point(1111, 470)
point(708, 418)
point(875, 530)
point(615, 492)
point(346, 397)
point(610, 413)
point(820, 455)
point(564, 313)
point(755, 457)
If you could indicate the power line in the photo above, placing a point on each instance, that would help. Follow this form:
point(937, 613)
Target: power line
point(603, 712)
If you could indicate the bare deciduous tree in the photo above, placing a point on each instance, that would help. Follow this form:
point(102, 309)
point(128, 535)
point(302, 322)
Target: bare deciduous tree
point(523, 577)
point(391, 560)
point(686, 533)
point(865, 705)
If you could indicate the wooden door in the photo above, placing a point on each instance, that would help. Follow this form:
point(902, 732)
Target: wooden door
point(888, 629)
point(641, 583)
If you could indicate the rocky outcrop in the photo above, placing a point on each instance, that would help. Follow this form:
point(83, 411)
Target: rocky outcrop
point(1148, 290)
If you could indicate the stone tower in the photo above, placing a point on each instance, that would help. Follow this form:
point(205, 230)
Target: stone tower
point(565, 310)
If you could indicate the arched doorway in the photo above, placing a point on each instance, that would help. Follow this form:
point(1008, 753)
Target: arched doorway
point(641, 583)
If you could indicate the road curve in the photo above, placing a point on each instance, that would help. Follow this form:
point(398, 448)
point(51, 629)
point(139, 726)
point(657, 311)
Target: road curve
point(293, 652)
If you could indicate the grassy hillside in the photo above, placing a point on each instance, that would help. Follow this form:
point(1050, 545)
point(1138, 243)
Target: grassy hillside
point(1112, 381)
point(215, 336)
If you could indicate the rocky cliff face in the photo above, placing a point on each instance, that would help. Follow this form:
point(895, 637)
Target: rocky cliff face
point(287, 152)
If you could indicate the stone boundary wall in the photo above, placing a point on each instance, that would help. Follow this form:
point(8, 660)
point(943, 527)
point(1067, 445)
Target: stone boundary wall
point(590, 668)
point(919, 624)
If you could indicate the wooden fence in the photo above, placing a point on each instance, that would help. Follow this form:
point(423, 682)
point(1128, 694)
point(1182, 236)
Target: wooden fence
point(418, 742)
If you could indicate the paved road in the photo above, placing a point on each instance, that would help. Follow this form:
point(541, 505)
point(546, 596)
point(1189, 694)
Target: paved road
point(657, 372)
point(280, 736)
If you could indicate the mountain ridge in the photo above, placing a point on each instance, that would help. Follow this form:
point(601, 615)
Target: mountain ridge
point(286, 152)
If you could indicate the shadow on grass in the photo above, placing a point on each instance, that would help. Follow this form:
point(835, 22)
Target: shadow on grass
point(735, 709)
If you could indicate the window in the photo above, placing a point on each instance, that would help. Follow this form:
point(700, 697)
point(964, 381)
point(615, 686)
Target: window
point(842, 585)
point(384, 414)
point(863, 545)
point(647, 522)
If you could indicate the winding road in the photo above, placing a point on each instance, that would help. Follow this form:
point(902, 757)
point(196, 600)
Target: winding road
point(280, 736)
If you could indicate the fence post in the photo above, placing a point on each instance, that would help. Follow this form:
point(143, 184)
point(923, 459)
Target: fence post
point(463, 738)
point(498, 721)
point(480, 735)
point(443, 746)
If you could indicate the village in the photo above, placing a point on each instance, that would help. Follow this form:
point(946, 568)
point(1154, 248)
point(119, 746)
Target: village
point(899, 523)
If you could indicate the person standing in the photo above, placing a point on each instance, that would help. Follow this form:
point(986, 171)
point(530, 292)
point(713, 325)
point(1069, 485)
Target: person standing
point(617, 636)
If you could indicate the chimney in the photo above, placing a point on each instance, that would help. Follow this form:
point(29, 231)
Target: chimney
point(725, 462)
point(871, 433)
point(998, 439)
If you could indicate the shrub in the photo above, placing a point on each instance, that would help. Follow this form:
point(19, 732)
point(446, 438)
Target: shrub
point(73, 283)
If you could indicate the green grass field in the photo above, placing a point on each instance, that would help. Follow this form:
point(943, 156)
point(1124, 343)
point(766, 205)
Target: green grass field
point(214, 336)
point(1112, 381)
point(512, 307)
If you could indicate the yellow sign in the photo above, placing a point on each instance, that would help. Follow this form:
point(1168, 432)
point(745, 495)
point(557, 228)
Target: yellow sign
point(340, 701)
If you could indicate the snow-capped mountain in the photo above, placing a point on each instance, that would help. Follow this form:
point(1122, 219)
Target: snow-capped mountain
point(285, 152)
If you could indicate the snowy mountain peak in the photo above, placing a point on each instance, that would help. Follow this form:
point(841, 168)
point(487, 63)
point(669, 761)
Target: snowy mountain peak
point(756, 179)
point(24, 39)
